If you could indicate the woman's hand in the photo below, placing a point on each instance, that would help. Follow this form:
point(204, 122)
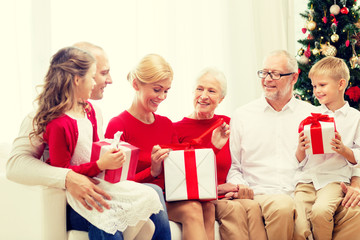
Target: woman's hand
point(220, 135)
point(112, 159)
point(157, 157)
point(227, 189)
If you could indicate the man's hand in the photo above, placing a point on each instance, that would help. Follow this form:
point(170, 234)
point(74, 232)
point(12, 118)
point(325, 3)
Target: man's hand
point(84, 188)
point(244, 192)
point(352, 196)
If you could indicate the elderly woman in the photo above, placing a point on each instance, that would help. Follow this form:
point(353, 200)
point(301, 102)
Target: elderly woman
point(240, 218)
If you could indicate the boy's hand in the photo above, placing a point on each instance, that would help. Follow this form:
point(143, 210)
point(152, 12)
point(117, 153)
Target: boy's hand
point(337, 144)
point(340, 148)
point(302, 146)
point(112, 159)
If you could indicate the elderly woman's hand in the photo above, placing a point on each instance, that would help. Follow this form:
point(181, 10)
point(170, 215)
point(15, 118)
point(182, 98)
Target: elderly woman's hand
point(220, 136)
point(228, 190)
point(157, 157)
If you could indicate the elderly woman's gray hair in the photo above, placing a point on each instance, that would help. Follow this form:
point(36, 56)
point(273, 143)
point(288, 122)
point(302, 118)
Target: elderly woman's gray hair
point(218, 75)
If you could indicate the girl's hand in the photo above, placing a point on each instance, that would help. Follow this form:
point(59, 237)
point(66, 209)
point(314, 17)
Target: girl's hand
point(112, 159)
point(302, 146)
point(220, 135)
point(157, 157)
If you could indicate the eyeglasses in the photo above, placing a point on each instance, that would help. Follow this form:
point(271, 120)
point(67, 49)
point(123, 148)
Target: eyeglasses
point(273, 75)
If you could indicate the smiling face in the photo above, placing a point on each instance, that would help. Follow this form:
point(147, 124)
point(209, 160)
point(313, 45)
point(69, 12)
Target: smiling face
point(102, 77)
point(150, 95)
point(281, 89)
point(86, 84)
point(328, 90)
point(207, 96)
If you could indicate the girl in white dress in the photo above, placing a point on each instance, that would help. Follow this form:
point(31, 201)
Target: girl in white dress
point(67, 123)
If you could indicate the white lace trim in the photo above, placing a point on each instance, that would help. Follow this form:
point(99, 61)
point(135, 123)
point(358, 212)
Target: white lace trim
point(131, 202)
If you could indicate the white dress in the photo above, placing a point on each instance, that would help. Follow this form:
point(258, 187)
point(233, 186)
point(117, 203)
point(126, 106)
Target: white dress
point(130, 202)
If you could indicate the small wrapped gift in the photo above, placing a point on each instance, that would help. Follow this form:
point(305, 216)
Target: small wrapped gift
point(320, 130)
point(190, 174)
point(128, 170)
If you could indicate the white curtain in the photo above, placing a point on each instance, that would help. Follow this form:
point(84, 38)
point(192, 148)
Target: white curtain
point(232, 35)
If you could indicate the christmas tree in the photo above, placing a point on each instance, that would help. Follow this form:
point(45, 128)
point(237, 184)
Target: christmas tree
point(331, 29)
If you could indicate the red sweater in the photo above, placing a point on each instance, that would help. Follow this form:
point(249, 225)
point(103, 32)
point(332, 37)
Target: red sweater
point(188, 129)
point(143, 136)
point(61, 135)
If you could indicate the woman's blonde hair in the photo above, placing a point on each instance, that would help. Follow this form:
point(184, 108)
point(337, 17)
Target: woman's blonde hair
point(150, 69)
point(332, 67)
point(57, 95)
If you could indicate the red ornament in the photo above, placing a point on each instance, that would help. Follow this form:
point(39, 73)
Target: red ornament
point(308, 52)
point(333, 19)
point(324, 19)
point(304, 30)
point(299, 70)
point(353, 93)
point(344, 10)
point(347, 43)
point(310, 37)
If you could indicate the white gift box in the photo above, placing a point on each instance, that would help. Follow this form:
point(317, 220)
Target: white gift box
point(320, 137)
point(190, 174)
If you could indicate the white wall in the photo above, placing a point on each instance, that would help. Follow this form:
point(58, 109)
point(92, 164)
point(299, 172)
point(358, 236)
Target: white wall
point(232, 35)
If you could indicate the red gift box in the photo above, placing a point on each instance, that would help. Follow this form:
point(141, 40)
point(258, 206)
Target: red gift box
point(320, 130)
point(127, 171)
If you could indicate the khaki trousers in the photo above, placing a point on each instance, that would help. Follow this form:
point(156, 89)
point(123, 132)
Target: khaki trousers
point(347, 222)
point(315, 210)
point(240, 219)
point(278, 211)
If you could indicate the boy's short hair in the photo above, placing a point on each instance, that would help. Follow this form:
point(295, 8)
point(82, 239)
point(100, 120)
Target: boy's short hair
point(332, 67)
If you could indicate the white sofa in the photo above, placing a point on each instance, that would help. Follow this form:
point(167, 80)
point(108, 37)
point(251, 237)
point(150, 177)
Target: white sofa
point(38, 212)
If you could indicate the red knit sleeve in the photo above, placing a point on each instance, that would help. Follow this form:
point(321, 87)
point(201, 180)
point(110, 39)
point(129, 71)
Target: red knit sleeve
point(61, 141)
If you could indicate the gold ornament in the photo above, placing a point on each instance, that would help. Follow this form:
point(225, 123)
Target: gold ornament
point(301, 51)
point(316, 51)
point(335, 9)
point(334, 37)
point(311, 25)
point(358, 60)
point(328, 49)
point(353, 61)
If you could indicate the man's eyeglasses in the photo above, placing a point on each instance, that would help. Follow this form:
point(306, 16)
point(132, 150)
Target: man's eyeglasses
point(273, 75)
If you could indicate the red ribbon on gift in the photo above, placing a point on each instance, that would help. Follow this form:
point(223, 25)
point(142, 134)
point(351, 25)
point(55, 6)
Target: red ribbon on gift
point(315, 130)
point(191, 174)
point(190, 159)
point(196, 142)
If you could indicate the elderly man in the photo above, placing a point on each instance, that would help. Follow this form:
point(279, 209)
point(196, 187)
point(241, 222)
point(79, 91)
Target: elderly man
point(263, 142)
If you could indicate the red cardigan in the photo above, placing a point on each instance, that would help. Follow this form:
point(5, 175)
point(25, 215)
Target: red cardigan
point(61, 135)
point(188, 129)
point(143, 136)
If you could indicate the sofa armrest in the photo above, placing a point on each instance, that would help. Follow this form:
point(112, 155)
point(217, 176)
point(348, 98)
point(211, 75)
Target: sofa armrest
point(32, 212)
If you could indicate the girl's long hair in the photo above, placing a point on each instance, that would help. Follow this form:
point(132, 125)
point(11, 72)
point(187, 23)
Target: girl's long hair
point(57, 95)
